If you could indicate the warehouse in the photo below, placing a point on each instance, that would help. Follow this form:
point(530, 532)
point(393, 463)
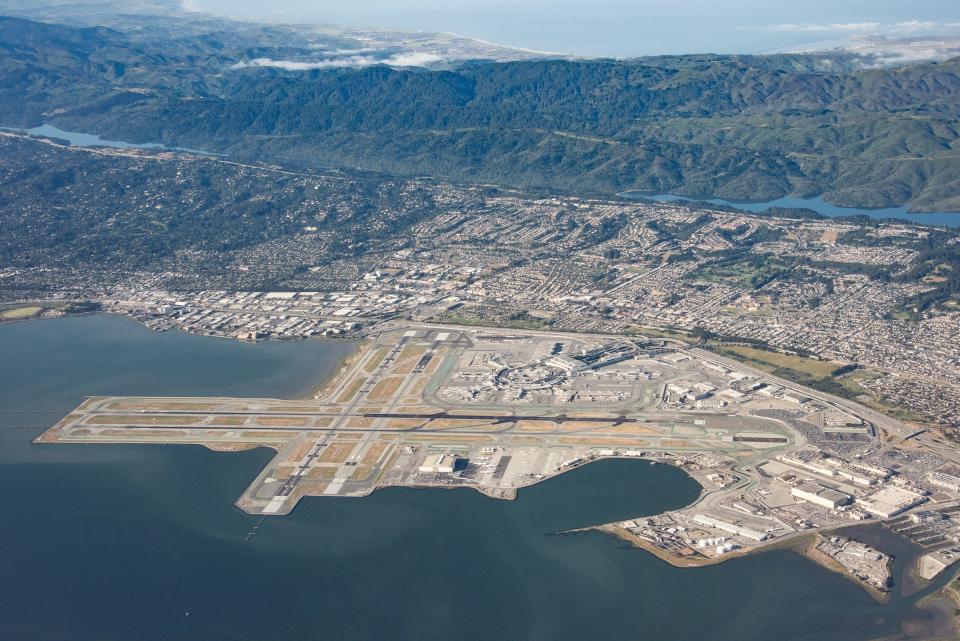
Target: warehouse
point(946, 481)
point(820, 495)
point(733, 528)
point(439, 464)
point(890, 501)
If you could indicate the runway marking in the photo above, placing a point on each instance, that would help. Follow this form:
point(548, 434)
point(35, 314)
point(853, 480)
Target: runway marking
point(274, 505)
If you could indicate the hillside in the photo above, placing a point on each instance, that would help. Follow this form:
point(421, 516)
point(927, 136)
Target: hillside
point(739, 127)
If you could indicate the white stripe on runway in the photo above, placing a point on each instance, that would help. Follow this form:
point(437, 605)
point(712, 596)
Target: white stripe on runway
point(274, 505)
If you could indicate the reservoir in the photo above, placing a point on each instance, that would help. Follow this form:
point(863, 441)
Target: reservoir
point(817, 204)
point(144, 542)
point(93, 140)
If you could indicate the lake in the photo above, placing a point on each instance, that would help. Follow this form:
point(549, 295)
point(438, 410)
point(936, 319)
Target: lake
point(144, 542)
point(93, 140)
point(817, 204)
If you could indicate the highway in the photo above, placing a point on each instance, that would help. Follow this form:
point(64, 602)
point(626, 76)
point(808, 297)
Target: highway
point(872, 416)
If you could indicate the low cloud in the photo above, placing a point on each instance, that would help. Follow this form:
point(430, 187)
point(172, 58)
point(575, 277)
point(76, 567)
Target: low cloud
point(408, 59)
point(906, 56)
point(296, 65)
point(325, 50)
point(907, 27)
point(413, 59)
point(817, 28)
point(924, 25)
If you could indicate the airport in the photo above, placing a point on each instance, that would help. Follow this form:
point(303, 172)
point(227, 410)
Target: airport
point(423, 405)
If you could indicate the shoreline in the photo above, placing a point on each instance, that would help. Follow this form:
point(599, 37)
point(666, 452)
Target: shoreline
point(815, 555)
point(497, 494)
point(951, 592)
point(311, 392)
point(803, 545)
point(319, 388)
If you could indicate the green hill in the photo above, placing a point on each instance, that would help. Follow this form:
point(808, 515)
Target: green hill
point(739, 127)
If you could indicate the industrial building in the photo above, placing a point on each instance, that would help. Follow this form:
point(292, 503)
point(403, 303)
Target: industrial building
point(439, 464)
point(927, 516)
point(856, 476)
point(831, 468)
point(820, 495)
point(817, 466)
point(733, 528)
point(946, 481)
point(890, 501)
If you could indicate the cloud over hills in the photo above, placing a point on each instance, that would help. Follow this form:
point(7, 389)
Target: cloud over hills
point(898, 28)
point(405, 59)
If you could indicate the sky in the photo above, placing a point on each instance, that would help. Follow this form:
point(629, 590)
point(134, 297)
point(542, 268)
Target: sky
point(622, 28)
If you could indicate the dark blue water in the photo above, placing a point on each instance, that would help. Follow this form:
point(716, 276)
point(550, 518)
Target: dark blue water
point(144, 543)
point(820, 206)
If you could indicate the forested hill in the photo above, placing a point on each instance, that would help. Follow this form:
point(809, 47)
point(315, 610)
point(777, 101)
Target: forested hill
point(743, 127)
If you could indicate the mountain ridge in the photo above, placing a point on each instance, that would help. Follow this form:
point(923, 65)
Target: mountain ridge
point(739, 127)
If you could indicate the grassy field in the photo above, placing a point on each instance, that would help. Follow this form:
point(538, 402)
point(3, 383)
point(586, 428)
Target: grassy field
point(748, 272)
point(661, 333)
point(20, 313)
point(375, 360)
point(351, 390)
point(480, 322)
point(774, 361)
point(818, 375)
